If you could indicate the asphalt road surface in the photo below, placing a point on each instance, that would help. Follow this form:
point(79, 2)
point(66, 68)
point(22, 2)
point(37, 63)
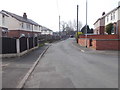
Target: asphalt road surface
point(65, 66)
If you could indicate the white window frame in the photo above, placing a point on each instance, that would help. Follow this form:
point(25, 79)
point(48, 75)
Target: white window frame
point(107, 18)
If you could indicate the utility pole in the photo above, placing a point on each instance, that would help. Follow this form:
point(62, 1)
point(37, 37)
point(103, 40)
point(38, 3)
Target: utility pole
point(77, 23)
point(59, 26)
point(86, 24)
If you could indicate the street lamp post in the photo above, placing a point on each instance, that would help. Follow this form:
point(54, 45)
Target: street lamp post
point(77, 23)
point(59, 26)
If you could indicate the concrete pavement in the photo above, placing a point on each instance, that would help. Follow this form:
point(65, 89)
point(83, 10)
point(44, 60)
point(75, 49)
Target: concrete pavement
point(93, 51)
point(14, 69)
point(65, 66)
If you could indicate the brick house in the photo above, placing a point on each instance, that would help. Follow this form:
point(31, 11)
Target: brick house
point(46, 31)
point(3, 24)
point(21, 26)
point(111, 17)
point(103, 41)
point(99, 26)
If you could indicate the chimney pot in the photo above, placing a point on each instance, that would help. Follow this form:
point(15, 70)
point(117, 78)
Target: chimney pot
point(103, 13)
point(24, 15)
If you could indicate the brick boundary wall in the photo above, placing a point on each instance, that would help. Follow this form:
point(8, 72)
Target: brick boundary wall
point(17, 33)
point(114, 36)
point(82, 42)
point(101, 44)
point(111, 44)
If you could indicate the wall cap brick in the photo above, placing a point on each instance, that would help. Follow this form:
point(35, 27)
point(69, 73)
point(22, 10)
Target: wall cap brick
point(107, 39)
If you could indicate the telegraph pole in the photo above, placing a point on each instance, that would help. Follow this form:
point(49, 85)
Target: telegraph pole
point(59, 26)
point(77, 23)
point(86, 24)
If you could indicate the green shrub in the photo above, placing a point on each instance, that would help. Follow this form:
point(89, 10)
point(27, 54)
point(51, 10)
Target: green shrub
point(109, 28)
point(79, 33)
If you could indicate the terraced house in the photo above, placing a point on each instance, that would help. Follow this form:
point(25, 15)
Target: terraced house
point(111, 17)
point(46, 31)
point(19, 26)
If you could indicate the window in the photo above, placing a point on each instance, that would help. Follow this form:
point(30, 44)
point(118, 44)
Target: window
point(22, 25)
point(35, 27)
point(32, 27)
point(27, 26)
point(113, 15)
point(107, 18)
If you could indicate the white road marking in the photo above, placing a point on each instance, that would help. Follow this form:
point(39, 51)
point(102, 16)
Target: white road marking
point(78, 48)
point(82, 51)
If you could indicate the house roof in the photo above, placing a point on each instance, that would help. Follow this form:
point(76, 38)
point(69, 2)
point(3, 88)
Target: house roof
point(107, 14)
point(97, 21)
point(20, 18)
point(46, 29)
point(4, 14)
point(112, 10)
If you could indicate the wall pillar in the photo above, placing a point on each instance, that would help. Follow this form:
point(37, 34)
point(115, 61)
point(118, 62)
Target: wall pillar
point(27, 43)
point(33, 42)
point(18, 45)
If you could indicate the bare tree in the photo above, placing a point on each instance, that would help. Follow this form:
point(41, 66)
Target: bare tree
point(63, 25)
point(70, 27)
point(75, 25)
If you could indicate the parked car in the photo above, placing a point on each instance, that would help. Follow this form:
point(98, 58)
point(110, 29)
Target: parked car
point(71, 36)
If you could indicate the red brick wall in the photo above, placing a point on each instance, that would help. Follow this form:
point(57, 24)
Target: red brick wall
point(119, 28)
point(94, 44)
point(102, 30)
point(115, 36)
point(102, 44)
point(17, 33)
point(14, 33)
point(106, 44)
point(82, 42)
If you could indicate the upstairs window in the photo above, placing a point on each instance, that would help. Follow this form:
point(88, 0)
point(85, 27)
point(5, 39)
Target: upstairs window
point(113, 15)
point(22, 25)
point(35, 27)
point(107, 18)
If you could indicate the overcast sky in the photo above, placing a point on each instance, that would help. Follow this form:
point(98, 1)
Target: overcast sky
point(46, 12)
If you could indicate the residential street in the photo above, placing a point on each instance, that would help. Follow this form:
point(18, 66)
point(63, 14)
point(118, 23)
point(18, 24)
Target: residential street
point(14, 69)
point(64, 65)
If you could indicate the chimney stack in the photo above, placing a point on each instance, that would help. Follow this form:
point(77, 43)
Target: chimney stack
point(103, 13)
point(24, 16)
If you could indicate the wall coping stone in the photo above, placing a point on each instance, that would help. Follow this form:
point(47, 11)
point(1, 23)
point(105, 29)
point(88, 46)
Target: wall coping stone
point(107, 39)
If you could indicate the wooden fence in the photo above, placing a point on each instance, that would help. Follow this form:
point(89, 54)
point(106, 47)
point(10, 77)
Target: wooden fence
point(13, 45)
